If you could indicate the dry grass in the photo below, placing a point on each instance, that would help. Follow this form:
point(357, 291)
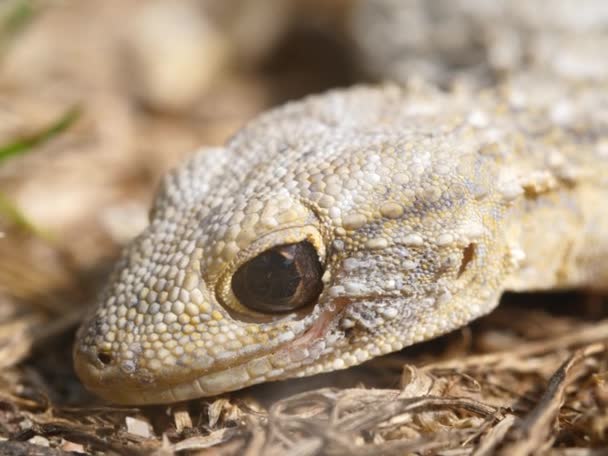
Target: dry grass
point(530, 378)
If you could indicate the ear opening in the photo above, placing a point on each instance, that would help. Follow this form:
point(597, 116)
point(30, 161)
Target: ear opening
point(468, 255)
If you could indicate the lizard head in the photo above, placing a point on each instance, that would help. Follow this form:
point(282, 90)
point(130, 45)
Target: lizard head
point(311, 243)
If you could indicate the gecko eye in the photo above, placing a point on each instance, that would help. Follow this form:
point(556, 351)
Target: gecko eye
point(281, 279)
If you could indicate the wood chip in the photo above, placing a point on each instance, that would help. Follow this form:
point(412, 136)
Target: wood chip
point(138, 427)
point(181, 418)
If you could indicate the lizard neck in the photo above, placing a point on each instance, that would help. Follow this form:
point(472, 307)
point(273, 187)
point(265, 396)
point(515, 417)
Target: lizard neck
point(558, 237)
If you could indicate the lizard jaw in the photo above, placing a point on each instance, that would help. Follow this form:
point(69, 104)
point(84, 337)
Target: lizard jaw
point(279, 363)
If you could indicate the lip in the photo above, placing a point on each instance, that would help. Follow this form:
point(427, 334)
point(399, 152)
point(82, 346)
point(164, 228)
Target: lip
point(208, 384)
point(115, 386)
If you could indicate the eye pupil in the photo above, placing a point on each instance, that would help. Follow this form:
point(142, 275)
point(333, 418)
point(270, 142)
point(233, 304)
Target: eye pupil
point(280, 279)
point(274, 274)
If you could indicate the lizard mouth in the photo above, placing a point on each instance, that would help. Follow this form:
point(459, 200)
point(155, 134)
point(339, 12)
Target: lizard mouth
point(110, 383)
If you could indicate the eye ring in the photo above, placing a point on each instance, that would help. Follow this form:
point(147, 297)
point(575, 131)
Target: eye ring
point(280, 279)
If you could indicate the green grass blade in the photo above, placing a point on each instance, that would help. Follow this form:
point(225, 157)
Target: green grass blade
point(17, 18)
point(23, 145)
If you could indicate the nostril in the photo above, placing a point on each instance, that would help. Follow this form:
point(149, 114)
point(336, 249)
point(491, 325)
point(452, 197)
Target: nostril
point(104, 357)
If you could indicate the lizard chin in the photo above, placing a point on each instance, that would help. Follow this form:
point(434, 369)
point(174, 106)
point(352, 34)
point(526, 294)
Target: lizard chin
point(112, 383)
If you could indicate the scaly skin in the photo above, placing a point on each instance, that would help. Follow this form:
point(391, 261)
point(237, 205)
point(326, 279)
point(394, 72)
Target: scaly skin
point(423, 206)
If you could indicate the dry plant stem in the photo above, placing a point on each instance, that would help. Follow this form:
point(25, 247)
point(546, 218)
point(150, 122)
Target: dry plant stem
point(201, 442)
point(534, 432)
point(490, 441)
point(424, 444)
point(258, 437)
point(365, 420)
point(28, 449)
point(584, 335)
point(340, 432)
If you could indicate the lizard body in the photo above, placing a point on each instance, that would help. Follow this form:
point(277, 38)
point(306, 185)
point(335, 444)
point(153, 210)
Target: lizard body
point(422, 207)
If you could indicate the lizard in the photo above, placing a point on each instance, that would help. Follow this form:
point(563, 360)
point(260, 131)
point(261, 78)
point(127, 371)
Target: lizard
point(348, 225)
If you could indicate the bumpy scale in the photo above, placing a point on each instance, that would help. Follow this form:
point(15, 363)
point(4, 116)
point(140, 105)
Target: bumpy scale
point(422, 206)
